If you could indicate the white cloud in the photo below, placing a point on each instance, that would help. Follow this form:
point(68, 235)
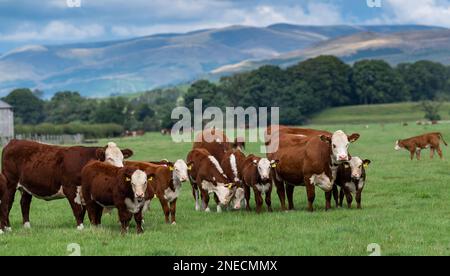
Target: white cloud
point(54, 31)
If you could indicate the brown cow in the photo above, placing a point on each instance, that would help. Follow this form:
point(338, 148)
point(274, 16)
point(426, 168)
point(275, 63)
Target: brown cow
point(351, 178)
point(231, 164)
point(415, 144)
point(257, 174)
point(208, 176)
point(51, 172)
point(3, 203)
point(313, 161)
point(166, 185)
point(216, 142)
point(106, 186)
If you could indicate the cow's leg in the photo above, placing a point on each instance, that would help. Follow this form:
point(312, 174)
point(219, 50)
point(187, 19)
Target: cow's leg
point(310, 192)
point(440, 152)
point(71, 193)
point(258, 200)
point(138, 220)
point(269, 199)
point(432, 152)
point(165, 208)
point(358, 199)
point(412, 153)
point(11, 195)
point(196, 194)
point(290, 195)
point(94, 211)
point(341, 196)
point(328, 200)
point(125, 218)
point(219, 207)
point(3, 211)
point(173, 210)
point(25, 203)
point(336, 195)
point(349, 197)
point(205, 200)
point(247, 197)
point(418, 154)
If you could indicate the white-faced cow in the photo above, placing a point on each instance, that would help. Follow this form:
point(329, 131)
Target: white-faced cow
point(51, 172)
point(416, 144)
point(310, 161)
point(232, 164)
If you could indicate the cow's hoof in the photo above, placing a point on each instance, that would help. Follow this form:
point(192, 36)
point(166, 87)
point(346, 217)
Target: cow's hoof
point(80, 227)
point(207, 210)
point(174, 223)
point(197, 208)
point(8, 229)
point(27, 225)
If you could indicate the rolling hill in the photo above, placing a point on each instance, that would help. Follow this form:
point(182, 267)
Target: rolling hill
point(126, 66)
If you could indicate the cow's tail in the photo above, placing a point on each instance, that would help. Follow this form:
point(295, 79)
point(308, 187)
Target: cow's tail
point(442, 138)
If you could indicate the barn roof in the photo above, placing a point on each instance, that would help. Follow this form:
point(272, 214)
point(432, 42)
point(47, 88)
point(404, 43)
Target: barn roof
point(4, 105)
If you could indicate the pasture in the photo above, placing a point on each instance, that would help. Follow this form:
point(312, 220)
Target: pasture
point(405, 210)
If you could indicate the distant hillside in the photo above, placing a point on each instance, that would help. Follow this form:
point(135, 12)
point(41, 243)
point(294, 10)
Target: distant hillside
point(377, 113)
point(127, 66)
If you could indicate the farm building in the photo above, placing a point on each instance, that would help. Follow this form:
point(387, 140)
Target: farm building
point(6, 121)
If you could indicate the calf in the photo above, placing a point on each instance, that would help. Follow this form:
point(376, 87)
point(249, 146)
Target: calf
point(232, 164)
point(207, 176)
point(51, 172)
point(257, 174)
point(106, 186)
point(166, 184)
point(351, 178)
point(3, 203)
point(415, 144)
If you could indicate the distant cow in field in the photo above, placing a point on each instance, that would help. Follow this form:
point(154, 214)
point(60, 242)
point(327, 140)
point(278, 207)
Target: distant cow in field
point(310, 161)
point(257, 175)
point(415, 144)
point(351, 178)
point(51, 172)
point(166, 184)
point(207, 176)
point(106, 186)
point(3, 203)
point(232, 164)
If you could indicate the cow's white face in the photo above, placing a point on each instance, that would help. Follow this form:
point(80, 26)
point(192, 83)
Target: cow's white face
point(224, 194)
point(113, 155)
point(238, 198)
point(356, 165)
point(139, 184)
point(264, 166)
point(339, 146)
point(397, 146)
point(180, 170)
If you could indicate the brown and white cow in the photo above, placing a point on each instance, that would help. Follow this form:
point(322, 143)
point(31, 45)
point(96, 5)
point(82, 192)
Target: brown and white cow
point(51, 172)
point(351, 179)
point(3, 203)
point(415, 144)
point(257, 174)
point(311, 161)
point(166, 184)
point(207, 176)
point(216, 142)
point(124, 188)
point(232, 164)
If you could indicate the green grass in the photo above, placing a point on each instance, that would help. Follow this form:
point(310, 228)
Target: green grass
point(378, 113)
point(405, 210)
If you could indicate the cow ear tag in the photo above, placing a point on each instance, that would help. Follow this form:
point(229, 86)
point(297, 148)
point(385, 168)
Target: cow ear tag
point(190, 167)
point(274, 165)
point(347, 166)
point(150, 178)
point(171, 168)
point(365, 165)
point(229, 186)
point(127, 179)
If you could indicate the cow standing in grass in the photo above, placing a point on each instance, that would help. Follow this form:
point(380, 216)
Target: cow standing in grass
point(351, 178)
point(416, 144)
point(51, 172)
point(232, 165)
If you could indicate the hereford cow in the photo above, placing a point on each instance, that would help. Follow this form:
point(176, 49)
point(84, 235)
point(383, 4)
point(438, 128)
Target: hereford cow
point(3, 203)
point(311, 161)
point(351, 178)
point(166, 184)
point(257, 174)
point(51, 172)
point(208, 176)
point(124, 188)
point(216, 143)
point(415, 144)
point(231, 164)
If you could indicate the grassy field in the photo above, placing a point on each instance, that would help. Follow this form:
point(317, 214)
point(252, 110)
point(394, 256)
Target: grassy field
point(379, 113)
point(405, 211)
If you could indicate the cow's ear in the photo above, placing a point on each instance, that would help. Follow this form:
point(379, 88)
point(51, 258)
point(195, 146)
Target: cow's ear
point(274, 163)
point(352, 138)
point(127, 174)
point(366, 163)
point(255, 162)
point(127, 153)
point(325, 138)
point(100, 154)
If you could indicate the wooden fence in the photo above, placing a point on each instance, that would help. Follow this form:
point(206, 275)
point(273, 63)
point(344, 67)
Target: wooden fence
point(48, 139)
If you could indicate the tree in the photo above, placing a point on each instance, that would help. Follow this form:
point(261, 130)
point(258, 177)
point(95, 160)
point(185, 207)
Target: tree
point(28, 108)
point(68, 106)
point(375, 81)
point(112, 110)
point(208, 92)
point(431, 110)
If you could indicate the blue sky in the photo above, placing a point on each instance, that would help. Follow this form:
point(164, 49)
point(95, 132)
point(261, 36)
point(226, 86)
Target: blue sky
point(24, 22)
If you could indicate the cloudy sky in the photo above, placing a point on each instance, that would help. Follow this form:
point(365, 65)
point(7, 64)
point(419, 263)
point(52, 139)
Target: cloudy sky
point(25, 22)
